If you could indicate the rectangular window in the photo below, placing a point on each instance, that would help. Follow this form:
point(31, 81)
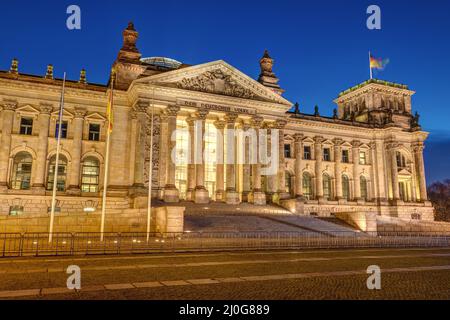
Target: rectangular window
point(345, 157)
point(15, 210)
point(307, 152)
point(26, 126)
point(94, 132)
point(287, 151)
point(326, 154)
point(362, 157)
point(63, 130)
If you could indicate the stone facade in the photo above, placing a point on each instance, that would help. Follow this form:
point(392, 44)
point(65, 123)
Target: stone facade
point(367, 157)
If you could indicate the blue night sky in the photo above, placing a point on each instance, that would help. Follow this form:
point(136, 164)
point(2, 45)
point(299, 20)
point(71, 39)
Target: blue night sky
point(320, 47)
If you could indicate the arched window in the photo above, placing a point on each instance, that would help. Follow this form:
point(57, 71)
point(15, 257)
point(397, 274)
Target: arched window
point(90, 175)
point(363, 186)
point(307, 186)
point(345, 187)
point(62, 173)
point(21, 174)
point(326, 186)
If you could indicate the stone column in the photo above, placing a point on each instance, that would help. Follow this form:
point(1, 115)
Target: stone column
point(258, 197)
point(381, 171)
point(318, 170)
point(191, 165)
point(5, 142)
point(201, 193)
point(394, 172)
point(356, 183)
point(140, 110)
point(231, 196)
point(337, 167)
point(298, 147)
point(164, 150)
point(220, 189)
point(171, 193)
point(42, 147)
point(246, 167)
point(78, 123)
point(420, 170)
point(281, 176)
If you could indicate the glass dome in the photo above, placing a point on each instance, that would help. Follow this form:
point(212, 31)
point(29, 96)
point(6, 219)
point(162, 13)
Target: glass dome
point(162, 62)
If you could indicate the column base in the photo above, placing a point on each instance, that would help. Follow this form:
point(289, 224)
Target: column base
point(259, 198)
point(282, 195)
point(220, 195)
point(232, 197)
point(245, 196)
point(190, 195)
point(171, 194)
point(201, 196)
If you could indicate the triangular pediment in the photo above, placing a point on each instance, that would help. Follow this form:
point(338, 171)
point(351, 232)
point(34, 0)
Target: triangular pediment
point(27, 109)
point(217, 77)
point(66, 114)
point(95, 117)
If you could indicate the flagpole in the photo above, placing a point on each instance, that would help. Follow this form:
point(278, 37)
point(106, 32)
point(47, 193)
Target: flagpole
point(105, 179)
point(370, 66)
point(150, 174)
point(58, 150)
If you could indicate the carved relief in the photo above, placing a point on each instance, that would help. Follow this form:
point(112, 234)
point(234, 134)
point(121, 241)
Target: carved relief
point(218, 82)
point(156, 139)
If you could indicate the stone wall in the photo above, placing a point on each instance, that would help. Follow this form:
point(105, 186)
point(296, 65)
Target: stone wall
point(164, 219)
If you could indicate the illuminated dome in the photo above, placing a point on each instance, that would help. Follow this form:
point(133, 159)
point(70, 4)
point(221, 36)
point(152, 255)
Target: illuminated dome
point(162, 62)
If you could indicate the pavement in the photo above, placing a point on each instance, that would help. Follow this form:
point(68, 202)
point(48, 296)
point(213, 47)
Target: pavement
point(272, 275)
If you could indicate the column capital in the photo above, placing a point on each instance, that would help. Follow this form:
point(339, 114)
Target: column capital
point(298, 137)
point(392, 146)
point(10, 105)
point(418, 147)
point(280, 124)
point(318, 139)
point(190, 121)
point(201, 114)
point(231, 118)
point(356, 143)
point(46, 108)
point(338, 142)
point(80, 113)
point(257, 122)
point(141, 106)
point(172, 110)
point(219, 124)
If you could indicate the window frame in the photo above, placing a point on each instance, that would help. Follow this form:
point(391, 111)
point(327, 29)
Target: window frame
point(28, 128)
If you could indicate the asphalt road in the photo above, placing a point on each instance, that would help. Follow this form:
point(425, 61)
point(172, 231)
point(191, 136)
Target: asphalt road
point(318, 274)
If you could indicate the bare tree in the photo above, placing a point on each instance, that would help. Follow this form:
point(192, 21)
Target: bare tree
point(439, 194)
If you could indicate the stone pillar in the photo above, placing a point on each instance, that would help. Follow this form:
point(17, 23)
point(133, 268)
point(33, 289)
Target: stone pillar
point(246, 167)
point(281, 175)
point(191, 165)
point(318, 170)
point(298, 148)
point(42, 147)
point(171, 193)
point(201, 193)
point(231, 195)
point(337, 167)
point(220, 189)
point(356, 183)
point(78, 123)
point(381, 171)
point(394, 172)
point(5, 142)
point(140, 110)
point(258, 197)
point(164, 150)
point(420, 170)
